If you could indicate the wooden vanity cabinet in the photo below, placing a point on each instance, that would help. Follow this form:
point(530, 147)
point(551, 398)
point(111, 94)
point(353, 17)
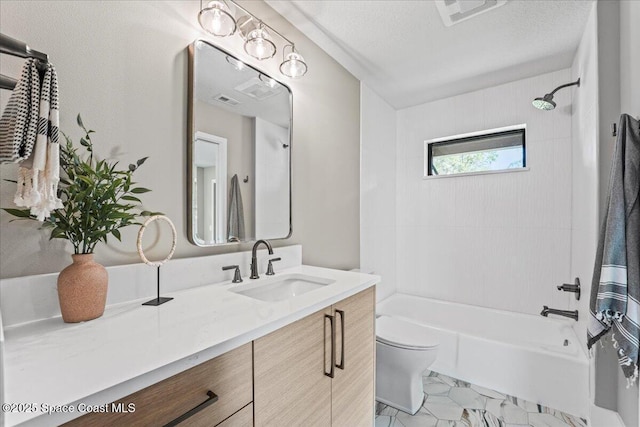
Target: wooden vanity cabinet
point(294, 383)
point(353, 387)
point(290, 387)
point(317, 371)
point(228, 376)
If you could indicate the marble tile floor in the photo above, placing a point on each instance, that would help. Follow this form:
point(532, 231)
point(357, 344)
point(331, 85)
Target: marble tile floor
point(454, 403)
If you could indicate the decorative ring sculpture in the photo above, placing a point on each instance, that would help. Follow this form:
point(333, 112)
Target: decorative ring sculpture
point(141, 233)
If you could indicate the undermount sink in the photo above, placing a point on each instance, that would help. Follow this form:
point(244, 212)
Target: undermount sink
point(282, 288)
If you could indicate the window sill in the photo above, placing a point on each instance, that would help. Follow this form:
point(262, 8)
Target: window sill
point(455, 175)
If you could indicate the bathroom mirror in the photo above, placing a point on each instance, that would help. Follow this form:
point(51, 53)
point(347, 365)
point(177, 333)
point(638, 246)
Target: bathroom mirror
point(239, 150)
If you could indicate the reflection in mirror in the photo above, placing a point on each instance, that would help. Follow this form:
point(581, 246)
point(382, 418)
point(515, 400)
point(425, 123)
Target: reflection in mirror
point(239, 151)
point(210, 187)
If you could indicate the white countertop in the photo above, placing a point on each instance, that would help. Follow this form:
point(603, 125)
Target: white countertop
point(133, 346)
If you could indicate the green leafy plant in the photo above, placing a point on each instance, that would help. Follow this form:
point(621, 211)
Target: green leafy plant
point(98, 199)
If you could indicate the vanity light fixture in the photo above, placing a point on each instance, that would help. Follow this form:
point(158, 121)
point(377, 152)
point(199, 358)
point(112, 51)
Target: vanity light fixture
point(259, 44)
point(218, 19)
point(293, 64)
point(238, 65)
point(267, 81)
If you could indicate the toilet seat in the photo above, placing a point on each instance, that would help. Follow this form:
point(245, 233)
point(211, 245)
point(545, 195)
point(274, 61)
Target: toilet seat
point(403, 334)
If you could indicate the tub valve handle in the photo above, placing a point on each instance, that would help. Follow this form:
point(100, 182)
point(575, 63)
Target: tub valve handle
point(575, 288)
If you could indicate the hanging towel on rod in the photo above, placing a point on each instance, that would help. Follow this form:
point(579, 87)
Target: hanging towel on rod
point(615, 291)
point(235, 226)
point(39, 174)
point(19, 121)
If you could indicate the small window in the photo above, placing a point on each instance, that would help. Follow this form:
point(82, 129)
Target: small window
point(481, 152)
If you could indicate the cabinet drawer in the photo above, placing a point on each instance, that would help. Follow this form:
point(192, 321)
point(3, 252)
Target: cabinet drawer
point(229, 376)
point(242, 418)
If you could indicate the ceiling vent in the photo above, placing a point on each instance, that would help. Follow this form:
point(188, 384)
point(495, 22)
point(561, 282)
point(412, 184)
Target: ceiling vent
point(455, 11)
point(257, 89)
point(227, 100)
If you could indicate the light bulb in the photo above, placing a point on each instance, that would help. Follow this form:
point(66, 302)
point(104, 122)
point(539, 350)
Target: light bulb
point(217, 20)
point(259, 45)
point(293, 65)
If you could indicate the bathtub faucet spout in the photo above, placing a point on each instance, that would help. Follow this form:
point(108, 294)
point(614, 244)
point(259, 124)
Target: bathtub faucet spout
point(572, 314)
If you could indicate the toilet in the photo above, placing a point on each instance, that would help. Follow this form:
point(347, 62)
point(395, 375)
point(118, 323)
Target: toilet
point(404, 350)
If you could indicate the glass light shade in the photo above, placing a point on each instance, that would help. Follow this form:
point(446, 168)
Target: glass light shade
point(293, 65)
point(267, 81)
point(216, 19)
point(238, 65)
point(259, 45)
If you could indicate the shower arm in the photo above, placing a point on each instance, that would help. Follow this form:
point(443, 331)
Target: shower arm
point(576, 83)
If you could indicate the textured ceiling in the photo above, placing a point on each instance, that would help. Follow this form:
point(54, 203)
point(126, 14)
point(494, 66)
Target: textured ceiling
point(404, 52)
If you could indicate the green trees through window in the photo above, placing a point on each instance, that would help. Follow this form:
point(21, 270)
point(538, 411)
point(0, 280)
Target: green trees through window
point(493, 151)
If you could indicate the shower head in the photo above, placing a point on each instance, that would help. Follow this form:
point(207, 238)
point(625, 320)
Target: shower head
point(544, 103)
point(547, 103)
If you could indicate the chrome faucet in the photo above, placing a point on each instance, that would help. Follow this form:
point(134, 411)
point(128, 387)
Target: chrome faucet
point(254, 257)
point(566, 313)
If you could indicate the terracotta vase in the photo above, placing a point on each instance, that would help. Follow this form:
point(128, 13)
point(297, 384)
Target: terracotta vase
point(82, 289)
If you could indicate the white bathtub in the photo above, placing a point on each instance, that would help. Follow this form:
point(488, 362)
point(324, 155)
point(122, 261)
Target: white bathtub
point(517, 354)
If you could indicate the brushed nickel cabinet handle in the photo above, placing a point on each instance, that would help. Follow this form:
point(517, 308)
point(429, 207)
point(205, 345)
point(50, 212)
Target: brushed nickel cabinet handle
point(331, 373)
point(341, 364)
point(213, 398)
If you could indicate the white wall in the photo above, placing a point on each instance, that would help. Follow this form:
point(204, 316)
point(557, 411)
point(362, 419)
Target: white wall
point(607, 61)
point(630, 89)
point(498, 240)
point(630, 57)
point(628, 398)
point(378, 190)
point(585, 201)
point(123, 65)
point(239, 132)
point(272, 180)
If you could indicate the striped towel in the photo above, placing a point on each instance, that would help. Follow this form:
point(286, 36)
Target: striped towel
point(615, 291)
point(39, 174)
point(19, 120)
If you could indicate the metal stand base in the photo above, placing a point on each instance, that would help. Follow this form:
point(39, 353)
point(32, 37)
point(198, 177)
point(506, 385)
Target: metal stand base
point(158, 301)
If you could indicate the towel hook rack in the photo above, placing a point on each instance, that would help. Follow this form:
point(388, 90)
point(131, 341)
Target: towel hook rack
point(13, 47)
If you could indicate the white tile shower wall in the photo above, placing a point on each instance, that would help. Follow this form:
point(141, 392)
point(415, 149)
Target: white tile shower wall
point(29, 298)
point(377, 190)
point(498, 240)
point(584, 122)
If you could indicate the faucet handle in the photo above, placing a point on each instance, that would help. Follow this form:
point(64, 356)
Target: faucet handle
point(575, 287)
point(270, 271)
point(237, 278)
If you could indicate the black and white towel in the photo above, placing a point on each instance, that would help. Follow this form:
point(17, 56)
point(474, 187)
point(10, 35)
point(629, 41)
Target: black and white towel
point(19, 121)
point(615, 292)
point(39, 172)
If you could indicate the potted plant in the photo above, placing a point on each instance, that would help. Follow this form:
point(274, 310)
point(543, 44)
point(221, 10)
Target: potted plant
point(97, 201)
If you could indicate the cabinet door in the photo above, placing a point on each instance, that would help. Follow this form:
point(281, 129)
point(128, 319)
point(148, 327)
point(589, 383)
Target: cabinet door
point(242, 418)
point(290, 385)
point(353, 385)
